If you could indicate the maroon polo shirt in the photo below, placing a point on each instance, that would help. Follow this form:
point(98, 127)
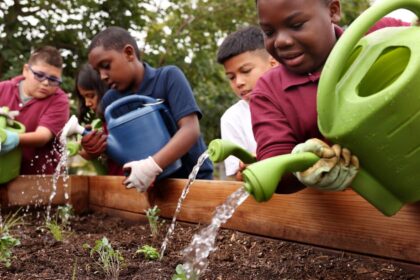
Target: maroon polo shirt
point(51, 112)
point(283, 107)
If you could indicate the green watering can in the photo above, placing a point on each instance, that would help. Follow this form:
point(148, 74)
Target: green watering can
point(368, 101)
point(10, 162)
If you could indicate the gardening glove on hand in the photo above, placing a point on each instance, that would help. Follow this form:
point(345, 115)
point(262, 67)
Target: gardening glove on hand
point(10, 115)
point(94, 143)
point(335, 170)
point(143, 173)
point(11, 142)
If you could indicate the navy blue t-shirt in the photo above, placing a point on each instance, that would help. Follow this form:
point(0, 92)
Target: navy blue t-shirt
point(169, 83)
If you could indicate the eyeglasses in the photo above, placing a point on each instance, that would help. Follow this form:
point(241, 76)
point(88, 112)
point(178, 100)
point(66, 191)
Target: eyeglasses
point(41, 76)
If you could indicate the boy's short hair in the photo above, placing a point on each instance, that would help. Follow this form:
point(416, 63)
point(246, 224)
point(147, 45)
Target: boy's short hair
point(114, 38)
point(47, 54)
point(244, 40)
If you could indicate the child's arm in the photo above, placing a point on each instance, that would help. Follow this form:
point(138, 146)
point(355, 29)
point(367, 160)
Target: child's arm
point(144, 172)
point(38, 138)
point(181, 142)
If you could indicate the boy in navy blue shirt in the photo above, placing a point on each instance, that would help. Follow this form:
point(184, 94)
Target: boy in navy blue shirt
point(114, 54)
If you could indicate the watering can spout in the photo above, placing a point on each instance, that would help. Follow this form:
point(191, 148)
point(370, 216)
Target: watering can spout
point(261, 178)
point(219, 150)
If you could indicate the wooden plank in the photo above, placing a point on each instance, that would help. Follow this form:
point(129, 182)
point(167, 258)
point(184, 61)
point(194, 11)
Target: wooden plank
point(108, 191)
point(35, 190)
point(336, 220)
point(123, 214)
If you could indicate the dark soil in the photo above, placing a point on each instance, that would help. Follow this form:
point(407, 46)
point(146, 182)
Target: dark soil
point(238, 255)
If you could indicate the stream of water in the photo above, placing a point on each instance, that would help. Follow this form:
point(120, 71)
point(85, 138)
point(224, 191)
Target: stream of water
point(203, 243)
point(60, 170)
point(191, 179)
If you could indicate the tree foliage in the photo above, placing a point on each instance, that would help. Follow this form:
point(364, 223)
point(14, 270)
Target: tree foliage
point(185, 33)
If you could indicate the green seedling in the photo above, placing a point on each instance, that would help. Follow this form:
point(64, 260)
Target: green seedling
point(152, 215)
point(7, 241)
point(180, 273)
point(109, 260)
point(74, 274)
point(56, 230)
point(11, 221)
point(149, 252)
point(61, 222)
point(64, 214)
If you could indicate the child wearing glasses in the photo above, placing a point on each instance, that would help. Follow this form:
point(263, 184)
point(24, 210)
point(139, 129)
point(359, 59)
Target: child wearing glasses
point(42, 106)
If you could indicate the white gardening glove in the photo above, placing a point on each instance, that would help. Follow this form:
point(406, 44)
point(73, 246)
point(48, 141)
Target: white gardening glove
point(333, 172)
point(10, 115)
point(143, 173)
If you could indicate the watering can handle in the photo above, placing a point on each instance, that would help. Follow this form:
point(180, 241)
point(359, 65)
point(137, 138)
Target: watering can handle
point(337, 59)
point(129, 99)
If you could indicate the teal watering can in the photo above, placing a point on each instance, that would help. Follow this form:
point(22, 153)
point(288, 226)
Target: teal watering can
point(11, 161)
point(139, 126)
point(368, 101)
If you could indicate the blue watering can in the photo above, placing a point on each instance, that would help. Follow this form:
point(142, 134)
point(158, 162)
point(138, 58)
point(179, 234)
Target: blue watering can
point(138, 127)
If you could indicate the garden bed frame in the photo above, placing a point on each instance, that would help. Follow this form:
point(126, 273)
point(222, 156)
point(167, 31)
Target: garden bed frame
point(342, 220)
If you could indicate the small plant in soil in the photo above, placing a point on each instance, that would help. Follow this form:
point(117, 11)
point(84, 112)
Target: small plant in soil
point(109, 260)
point(7, 241)
point(152, 215)
point(180, 273)
point(61, 222)
point(149, 252)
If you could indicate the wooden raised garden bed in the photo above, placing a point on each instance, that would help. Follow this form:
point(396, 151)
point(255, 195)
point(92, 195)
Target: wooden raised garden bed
point(342, 220)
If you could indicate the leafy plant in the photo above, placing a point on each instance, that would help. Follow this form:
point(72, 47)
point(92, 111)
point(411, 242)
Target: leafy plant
point(59, 225)
point(152, 215)
point(56, 230)
point(180, 274)
point(149, 252)
point(7, 241)
point(109, 260)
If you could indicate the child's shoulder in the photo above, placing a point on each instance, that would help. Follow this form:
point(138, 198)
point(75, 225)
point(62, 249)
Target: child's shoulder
point(170, 70)
point(12, 82)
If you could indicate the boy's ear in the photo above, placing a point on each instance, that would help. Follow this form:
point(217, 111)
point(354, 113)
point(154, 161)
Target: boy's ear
point(273, 62)
point(129, 52)
point(25, 69)
point(335, 11)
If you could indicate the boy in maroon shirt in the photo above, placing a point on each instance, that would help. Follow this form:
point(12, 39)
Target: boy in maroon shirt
point(43, 108)
point(299, 34)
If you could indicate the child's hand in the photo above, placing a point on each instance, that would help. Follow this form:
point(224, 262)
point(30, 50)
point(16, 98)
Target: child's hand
point(142, 173)
point(94, 143)
point(333, 172)
point(238, 175)
point(11, 142)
